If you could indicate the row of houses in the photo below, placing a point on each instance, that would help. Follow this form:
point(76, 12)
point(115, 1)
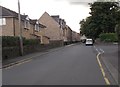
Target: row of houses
point(47, 28)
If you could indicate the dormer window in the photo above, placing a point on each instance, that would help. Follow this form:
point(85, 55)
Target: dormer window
point(27, 23)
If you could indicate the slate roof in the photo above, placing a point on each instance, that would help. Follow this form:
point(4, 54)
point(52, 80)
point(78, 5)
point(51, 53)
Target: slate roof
point(34, 22)
point(9, 13)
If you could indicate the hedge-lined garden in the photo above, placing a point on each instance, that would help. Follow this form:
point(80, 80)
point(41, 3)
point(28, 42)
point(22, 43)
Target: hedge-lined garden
point(10, 41)
point(11, 49)
point(108, 37)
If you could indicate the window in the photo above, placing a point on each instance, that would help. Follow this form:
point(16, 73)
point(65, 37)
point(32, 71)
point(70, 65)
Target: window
point(26, 24)
point(2, 21)
point(37, 28)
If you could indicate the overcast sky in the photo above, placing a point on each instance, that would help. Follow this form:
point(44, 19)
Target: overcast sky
point(71, 10)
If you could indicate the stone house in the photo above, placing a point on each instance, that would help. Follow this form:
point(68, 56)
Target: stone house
point(53, 31)
point(10, 26)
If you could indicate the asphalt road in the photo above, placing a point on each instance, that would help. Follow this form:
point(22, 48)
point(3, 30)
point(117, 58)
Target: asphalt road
point(71, 65)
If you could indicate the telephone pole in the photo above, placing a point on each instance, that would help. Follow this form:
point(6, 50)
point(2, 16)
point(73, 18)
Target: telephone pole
point(20, 36)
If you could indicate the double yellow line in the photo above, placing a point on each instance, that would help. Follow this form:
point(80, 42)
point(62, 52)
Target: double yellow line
point(8, 66)
point(102, 70)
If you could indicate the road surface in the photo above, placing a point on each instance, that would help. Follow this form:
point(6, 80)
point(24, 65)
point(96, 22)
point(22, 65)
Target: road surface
point(70, 65)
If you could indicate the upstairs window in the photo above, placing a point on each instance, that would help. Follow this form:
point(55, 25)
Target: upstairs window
point(27, 23)
point(2, 21)
point(37, 28)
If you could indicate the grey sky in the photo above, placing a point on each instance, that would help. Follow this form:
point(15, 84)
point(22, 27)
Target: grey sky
point(71, 10)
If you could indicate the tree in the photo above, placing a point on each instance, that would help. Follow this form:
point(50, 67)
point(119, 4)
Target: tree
point(103, 19)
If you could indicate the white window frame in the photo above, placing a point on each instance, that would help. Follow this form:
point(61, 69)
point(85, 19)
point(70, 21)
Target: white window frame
point(27, 23)
point(37, 28)
point(2, 21)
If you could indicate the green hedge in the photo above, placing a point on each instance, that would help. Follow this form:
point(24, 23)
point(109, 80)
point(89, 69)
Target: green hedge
point(31, 42)
point(10, 41)
point(108, 37)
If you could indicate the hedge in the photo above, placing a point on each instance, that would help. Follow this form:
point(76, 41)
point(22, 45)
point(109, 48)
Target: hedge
point(10, 41)
point(31, 42)
point(108, 37)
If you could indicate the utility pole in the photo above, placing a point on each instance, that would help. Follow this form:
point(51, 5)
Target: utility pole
point(20, 36)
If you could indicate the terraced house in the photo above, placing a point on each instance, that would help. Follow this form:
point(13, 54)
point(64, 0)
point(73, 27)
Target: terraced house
point(31, 29)
point(53, 28)
point(75, 36)
point(57, 29)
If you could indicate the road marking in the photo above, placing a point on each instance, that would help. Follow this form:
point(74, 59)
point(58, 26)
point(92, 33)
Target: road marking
point(97, 50)
point(102, 50)
point(8, 67)
point(15, 63)
point(23, 61)
point(70, 45)
point(102, 70)
point(20, 61)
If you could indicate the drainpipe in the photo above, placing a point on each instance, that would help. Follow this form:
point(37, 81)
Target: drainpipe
point(14, 26)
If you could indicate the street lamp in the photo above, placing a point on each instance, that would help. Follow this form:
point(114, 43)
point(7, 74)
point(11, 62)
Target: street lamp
point(20, 36)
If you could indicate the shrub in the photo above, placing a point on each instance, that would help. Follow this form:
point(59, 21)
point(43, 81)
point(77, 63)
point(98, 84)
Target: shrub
point(31, 42)
point(108, 37)
point(10, 41)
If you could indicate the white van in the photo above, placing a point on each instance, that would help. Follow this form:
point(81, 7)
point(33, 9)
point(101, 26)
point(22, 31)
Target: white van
point(89, 42)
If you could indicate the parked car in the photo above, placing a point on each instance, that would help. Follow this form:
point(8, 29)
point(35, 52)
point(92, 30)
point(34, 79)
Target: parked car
point(89, 42)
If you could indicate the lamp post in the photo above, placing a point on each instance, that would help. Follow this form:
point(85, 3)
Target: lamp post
point(20, 35)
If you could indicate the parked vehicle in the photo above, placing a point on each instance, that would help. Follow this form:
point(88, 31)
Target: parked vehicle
point(89, 42)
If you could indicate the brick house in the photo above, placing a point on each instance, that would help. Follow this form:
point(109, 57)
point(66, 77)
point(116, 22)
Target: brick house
point(75, 36)
point(10, 26)
point(53, 28)
point(66, 31)
point(68, 34)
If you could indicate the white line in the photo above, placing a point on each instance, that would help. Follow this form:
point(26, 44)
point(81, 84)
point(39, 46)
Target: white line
point(102, 50)
point(97, 50)
point(70, 45)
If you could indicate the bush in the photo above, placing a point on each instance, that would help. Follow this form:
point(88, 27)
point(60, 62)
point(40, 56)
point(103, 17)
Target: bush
point(10, 41)
point(31, 42)
point(108, 37)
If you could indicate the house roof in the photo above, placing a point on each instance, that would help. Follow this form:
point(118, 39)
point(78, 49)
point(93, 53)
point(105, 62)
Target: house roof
point(34, 22)
point(9, 13)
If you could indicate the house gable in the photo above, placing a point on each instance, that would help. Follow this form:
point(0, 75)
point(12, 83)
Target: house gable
point(53, 28)
point(49, 19)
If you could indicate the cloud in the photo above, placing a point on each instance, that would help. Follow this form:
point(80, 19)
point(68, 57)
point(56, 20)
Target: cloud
point(78, 2)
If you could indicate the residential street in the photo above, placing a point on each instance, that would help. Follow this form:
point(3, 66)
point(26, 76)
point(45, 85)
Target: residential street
point(65, 42)
point(70, 65)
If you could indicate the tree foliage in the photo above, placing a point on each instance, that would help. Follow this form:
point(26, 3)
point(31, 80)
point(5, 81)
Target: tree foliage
point(103, 19)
